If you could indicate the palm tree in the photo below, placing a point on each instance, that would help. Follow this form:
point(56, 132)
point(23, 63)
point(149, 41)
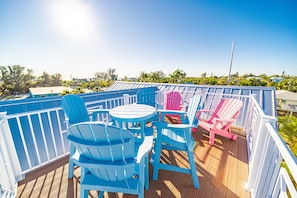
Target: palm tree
point(143, 77)
point(177, 76)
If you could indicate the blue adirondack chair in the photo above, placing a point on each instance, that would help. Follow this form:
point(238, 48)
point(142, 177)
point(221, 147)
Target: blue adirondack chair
point(75, 109)
point(76, 112)
point(177, 137)
point(146, 96)
point(110, 160)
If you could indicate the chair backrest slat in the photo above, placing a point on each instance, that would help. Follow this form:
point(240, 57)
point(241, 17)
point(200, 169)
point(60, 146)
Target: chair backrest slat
point(194, 106)
point(108, 145)
point(75, 109)
point(146, 96)
point(228, 108)
point(173, 100)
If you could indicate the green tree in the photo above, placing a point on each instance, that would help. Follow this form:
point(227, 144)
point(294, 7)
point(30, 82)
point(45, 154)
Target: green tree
point(14, 80)
point(101, 76)
point(44, 80)
point(156, 76)
point(177, 76)
point(143, 77)
point(47, 80)
point(77, 91)
point(288, 131)
point(111, 73)
point(56, 80)
point(213, 81)
point(223, 81)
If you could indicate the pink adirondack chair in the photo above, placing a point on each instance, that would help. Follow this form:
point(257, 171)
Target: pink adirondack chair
point(221, 119)
point(173, 102)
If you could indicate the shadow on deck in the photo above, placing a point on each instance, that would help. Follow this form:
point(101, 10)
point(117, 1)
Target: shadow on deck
point(222, 171)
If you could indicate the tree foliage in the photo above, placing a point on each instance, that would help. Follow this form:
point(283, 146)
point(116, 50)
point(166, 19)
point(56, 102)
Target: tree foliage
point(177, 76)
point(110, 75)
point(47, 80)
point(288, 131)
point(17, 80)
point(14, 80)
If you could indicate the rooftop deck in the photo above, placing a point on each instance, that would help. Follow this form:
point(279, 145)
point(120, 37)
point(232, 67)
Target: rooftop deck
point(222, 170)
point(34, 147)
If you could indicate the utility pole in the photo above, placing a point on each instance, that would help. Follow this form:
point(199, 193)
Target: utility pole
point(231, 59)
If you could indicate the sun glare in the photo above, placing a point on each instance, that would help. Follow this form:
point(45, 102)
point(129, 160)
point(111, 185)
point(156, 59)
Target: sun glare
point(73, 19)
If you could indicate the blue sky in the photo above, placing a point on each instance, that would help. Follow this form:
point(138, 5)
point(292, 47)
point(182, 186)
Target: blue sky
point(80, 37)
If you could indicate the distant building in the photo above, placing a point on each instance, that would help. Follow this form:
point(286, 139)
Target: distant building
point(83, 79)
point(38, 92)
point(286, 100)
point(277, 79)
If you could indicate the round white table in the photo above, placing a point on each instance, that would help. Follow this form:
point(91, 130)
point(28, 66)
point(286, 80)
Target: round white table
point(132, 112)
point(134, 118)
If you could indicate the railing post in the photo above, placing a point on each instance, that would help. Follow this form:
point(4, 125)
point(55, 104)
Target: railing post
point(9, 163)
point(126, 99)
point(258, 151)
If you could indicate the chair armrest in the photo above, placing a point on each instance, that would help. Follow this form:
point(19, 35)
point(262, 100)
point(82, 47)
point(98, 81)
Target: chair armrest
point(144, 148)
point(223, 120)
point(218, 121)
point(98, 111)
point(165, 125)
point(164, 111)
point(180, 126)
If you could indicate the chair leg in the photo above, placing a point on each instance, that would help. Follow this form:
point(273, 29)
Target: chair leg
point(70, 169)
point(141, 193)
point(193, 169)
point(84, 193)
point(157, 155)
point(71, 164)
point(101, 194)
point(211, 137)
point(146, 174)
point(232, 135)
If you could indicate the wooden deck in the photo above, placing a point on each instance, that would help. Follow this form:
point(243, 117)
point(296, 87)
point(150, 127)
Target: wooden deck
point(222, 170)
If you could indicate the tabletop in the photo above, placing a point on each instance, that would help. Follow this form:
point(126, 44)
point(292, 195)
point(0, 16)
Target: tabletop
point(135, 112)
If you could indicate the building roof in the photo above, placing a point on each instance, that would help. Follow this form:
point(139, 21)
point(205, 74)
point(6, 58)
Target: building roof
point(286, 95)
point(277, 79)
point(48, 90)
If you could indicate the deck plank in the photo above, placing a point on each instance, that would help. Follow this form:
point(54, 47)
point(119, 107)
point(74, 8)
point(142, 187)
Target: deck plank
point(222, 170)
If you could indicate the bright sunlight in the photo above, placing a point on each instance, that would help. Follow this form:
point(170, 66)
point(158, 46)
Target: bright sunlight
point(73, 19)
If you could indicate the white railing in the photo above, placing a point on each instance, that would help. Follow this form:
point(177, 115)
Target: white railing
point(42, 139)
point(10, 172)
point(48, 142)
point(266, 151)
point(31, 139)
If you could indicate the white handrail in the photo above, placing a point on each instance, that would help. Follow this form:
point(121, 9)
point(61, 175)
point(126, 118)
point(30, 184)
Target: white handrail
point(10, 172)
point(266, 152)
